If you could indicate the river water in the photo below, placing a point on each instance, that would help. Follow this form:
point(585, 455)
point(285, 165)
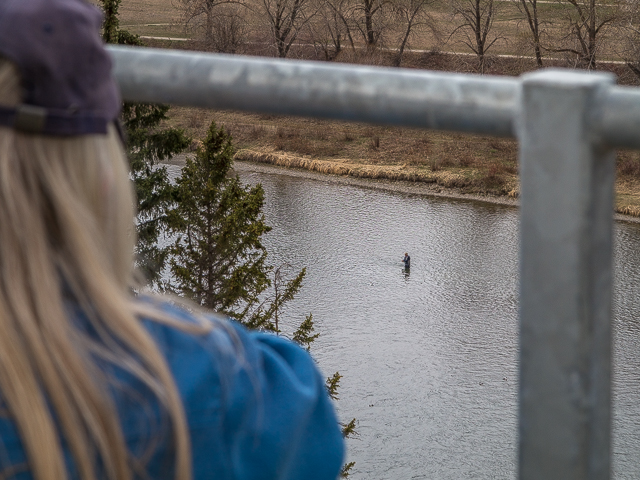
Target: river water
point(429, 359)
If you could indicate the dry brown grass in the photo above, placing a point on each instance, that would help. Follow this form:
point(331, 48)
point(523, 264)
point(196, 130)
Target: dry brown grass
point(358, 170)
point(467, 180)
point(628, 183)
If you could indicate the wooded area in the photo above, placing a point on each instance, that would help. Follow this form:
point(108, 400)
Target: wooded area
point(576, 33)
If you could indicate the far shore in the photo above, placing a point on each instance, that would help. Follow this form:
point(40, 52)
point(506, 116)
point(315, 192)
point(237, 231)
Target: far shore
point(399, 186)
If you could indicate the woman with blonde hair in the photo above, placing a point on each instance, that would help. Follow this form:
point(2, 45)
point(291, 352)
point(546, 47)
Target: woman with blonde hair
point(94, 383)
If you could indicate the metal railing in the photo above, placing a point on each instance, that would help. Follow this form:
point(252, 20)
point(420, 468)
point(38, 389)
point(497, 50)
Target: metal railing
point(567, 124)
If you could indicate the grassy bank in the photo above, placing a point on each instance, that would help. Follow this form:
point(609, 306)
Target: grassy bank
point(464, 180)
point(471, 164)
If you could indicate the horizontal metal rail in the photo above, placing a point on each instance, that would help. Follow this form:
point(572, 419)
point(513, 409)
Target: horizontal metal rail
point(620, 122)
point(467, 103)
point(392, 96)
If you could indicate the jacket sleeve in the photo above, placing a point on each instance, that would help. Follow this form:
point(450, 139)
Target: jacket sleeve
point(256, 406)
point(280, 422)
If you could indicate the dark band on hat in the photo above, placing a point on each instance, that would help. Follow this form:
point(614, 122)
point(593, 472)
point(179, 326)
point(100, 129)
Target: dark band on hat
point(64, 69)
point(45, 121)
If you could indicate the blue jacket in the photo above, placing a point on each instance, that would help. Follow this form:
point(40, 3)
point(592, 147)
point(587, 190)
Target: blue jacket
point(263, 413)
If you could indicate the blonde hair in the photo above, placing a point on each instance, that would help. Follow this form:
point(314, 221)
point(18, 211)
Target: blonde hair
point(67, 233)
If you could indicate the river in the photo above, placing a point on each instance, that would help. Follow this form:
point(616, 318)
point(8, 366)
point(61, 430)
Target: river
point(429, 359)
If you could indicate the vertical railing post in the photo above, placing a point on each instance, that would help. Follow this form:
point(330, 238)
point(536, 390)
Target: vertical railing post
point(567, 175)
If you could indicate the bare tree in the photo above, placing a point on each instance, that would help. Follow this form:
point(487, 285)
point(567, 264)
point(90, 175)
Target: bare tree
point(410, 15)
point(332, 27)
point(586, 21)
point(229, 29)
point(530, 9)
point(286, 20)
point(219, 23)
point(477, 21)
point(628, 33)
point(341, 20)
point(371, 20)
point(633, 61)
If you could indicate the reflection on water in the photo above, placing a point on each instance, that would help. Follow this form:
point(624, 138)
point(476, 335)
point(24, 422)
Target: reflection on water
point(429, 357)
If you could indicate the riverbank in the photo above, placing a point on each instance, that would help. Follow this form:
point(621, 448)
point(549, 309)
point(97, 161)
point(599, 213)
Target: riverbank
point(381, 183)
point(460, 164)
point(406, 187)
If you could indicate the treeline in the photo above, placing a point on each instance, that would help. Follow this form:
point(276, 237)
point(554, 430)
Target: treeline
point(580, 32)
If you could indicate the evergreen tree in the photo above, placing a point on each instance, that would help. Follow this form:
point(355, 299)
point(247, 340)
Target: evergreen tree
point(304, 335)
point(218, 259)
point(111, 32)
point(348, 429)
point(148, 143)
point(282, 290)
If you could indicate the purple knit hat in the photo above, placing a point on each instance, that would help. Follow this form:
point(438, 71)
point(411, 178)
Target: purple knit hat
point(64, 67)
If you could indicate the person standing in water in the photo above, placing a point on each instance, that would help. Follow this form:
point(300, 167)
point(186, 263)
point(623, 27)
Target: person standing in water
point(407, 261)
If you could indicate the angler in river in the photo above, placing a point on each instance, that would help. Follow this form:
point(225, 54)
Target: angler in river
point(407, 261)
